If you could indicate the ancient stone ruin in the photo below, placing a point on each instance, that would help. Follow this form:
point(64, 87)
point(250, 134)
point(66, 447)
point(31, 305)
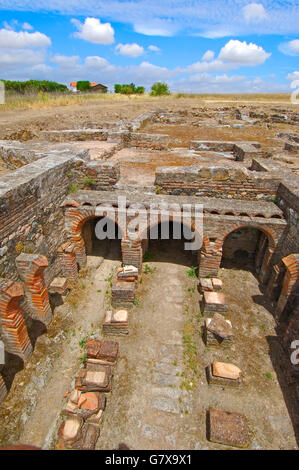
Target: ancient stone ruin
point(242, 166)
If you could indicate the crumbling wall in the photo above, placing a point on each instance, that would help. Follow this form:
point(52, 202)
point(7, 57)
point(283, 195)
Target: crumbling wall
point(31, 217)
point(215, 181)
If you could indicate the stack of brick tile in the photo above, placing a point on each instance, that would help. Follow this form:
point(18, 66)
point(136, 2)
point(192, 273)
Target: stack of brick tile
point(210, 285)
point(127, 273)
point(132, 252)
point(116, 323)
point(213, 302)
point(123, 292)
point(31, 268)
point(12, 322)
point(68, 260)
point(218, 331)
point(86, 404)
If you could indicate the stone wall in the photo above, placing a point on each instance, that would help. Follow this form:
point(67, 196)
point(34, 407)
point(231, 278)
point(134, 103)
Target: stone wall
point(215, 181)
point(31, 217)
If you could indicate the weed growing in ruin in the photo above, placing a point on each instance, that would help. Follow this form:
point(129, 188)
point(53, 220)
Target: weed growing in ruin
point(136, 302)
point(269, 376)
point(82, 342)
point(88, 182)
point(73, 188)
point(148, 269)
point(83, 358)
point(192, 272)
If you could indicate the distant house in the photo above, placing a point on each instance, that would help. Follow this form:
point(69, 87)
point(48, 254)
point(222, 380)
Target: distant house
point(95, 87)
point(73, 86)
point(99, 88)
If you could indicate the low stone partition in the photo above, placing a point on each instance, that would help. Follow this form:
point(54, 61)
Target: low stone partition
point(215, 181)
point(150, 141)
point(75, 135)
point(244, 151)
point(219, 145)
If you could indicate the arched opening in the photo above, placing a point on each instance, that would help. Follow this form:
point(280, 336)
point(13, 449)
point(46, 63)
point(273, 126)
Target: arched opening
point(96, 244)
point(244, 248)
point(166, 242)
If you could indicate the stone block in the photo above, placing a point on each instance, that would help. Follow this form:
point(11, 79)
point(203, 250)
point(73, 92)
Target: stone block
point(213, 302)
point(217, 284)
point(227, 428)
point(205, 285)
point(59, 285)
point(213, 339)
point(123, 292)
point(106, 351)
point(224, 374)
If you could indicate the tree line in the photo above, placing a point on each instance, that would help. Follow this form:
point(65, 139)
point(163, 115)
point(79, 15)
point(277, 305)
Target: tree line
point(30, 86)
point(158, 88)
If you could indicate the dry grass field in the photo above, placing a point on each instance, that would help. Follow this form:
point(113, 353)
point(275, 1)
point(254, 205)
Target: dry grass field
point(48, 100)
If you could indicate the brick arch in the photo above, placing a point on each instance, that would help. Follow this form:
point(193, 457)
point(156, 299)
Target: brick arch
point(76, 219)
point(268, 232)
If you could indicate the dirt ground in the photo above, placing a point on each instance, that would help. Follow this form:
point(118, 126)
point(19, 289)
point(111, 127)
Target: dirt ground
point(160, 394)
point(74, 116)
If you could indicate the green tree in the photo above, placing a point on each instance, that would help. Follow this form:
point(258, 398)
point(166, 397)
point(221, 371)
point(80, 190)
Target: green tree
point(83, 85)
point(159, 88)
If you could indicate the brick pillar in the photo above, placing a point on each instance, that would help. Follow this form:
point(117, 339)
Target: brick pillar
point(265, 268)
point(3, 389)
point(131, 252)
point(78, 241)
point(273, 283)
point(31, 268)
point(209, 261)
point(290, 279)
point(13, 326)
point(68, 260)
point(260, 252)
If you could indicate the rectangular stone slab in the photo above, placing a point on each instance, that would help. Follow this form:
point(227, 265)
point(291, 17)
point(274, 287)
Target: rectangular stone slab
point(214, 380)
point(227, 428)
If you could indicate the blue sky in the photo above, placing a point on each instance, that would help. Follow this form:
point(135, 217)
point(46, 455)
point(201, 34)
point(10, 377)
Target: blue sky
point(194, 45)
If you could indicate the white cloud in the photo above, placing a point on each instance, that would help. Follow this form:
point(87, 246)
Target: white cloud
point(167, 18)
point(65, 61)
point(93, 30)
point(15, 58)
point(130, 50)
point(233, 55)
point(23, 39)
point(254, 13)
point(242, 53)
point(293, 76)
point(156, 27)
point(27, 26)
point(208, 56)
point(290, 48)
point(154, 48)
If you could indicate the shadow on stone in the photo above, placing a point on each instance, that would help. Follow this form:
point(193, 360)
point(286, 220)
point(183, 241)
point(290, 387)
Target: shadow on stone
point(284, 368)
